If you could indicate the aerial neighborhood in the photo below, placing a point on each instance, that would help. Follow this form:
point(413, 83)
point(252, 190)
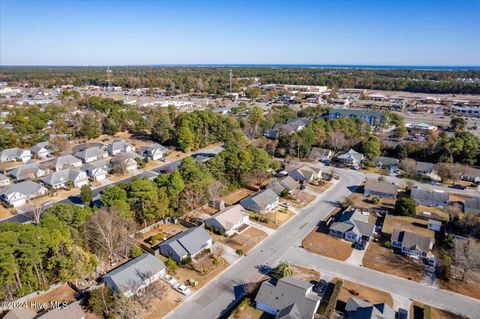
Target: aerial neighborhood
point(244, 198)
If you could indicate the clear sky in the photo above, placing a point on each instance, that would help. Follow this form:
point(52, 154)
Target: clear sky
point(386, 32)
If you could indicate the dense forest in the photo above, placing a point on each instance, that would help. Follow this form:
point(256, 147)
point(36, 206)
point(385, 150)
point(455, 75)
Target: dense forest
point(215, 80)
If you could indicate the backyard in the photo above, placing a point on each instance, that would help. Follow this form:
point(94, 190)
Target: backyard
point(326, 245)
point(237, 195)
point(369, 294)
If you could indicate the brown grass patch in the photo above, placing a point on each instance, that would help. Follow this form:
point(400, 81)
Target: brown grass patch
point(305, 274)
point(436, 212)
point(205, 270)
point(5, 212)
point(237, 195)
point(435, 313)
point(299, 198)
point(385, 260)
point(327, 245)
point(470, 289)
point(161, 309)
point(359, 200)
point(62, 293)
point(407, 223)
point(246, 240)
point(366, 293)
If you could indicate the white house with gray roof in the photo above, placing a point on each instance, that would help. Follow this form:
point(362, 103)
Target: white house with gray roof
point(60, 179)
point(119, 146)
point(351, 158)
point(353, 226)
point(413, 244)
point(186, 244)
point(288, 298)
point(15, 154)
point(136, 274)
point(98, 170)
point(386, 162)
point(30, 170)
point(4, 180)
point(154, 151)
point(262, 201)
point(18, 194)
point(41, 150)
point(284, 184)
point(65, 161)
point(228, 219)
point(91, 154)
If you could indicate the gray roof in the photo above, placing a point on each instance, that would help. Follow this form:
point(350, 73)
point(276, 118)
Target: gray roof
point(62, 176)
point(259, 200)
point(118, 145)
point(72, 311)
point(385, 161)
point(20, 313)
point(189, 242)
point(354, 220)
point(430, 195)
point(319, 153)
point(352, 154)
point(90, 152)
point(229, 216)
point(425, 167)
point(287, 292)
point(154, 146)
point(381, 187)
point(290, 312)
point(3, 177)
point(472, 203)
point(12, 152)
point(411, 240)
point(25, 171)
point(65, 160)
point(39, 146)
point(26, 188)
point(359, 309)
point(283, 183)
point(103, 164)
point(133, 273)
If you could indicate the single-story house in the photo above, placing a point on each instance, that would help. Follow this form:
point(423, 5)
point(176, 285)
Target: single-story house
point(30, 170)
point(118, 147)
point(430, 197)
point(427, 170)
point(72, 311)
point(4, 180)
point(262, 201)
point(321, 154)
point(472, 205)
point(359, 309)
point(41, 150)
point(381, 189)
point(434, 225)
point(97, 170)
point(353, 226)
point(228, 219)
point(413, 244)
point(286, 183)
point(91, 154)
point(15, 154)
point(288, 298)
point(186, 244)
point(351, 158)
point(18, 194)
point(305, 173)
point(60, 179)
point(386, 162)
point(65, 161)
point(154, 151)
point(133, 276)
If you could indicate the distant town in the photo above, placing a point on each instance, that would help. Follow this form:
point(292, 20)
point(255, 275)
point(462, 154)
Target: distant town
point(239, 192)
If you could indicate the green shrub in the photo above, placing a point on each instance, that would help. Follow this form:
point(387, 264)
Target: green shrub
point(387, 244)
point(135, 252)
point(171, 265)
point(332, 301)
point(187, 260)
point(427, 312)
point(375, 200)
point(239, 251)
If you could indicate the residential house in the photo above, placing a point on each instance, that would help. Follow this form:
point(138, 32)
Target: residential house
point(434, 225)
point(18, 194)
point(98, 170)
point(15, 154)
point(353, 226)
point(380, 188)
point(284, 184)
point(304, 173)
point(30, 170)
point(472, 205)
point(430, 197)
point(262, 201)
point(154, 151)
point(65, 161)
point(351, 158)
point(126, 161)
point(389, 163)
point(413, 244)
point(292, 126)
point(61, 179)
point(20, 313)
point(321, 154)
point(427, 170)
point(91, 154)
point(71, 311)
point(228, 220)
point(359, 309)
point(373, 118)
point(118, 147)
point(186, 244)
point(133, 276)
point(41, 150)
point(4, 180)
point(288, 298)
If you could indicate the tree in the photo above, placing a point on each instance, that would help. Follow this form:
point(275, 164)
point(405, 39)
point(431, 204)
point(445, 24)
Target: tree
point(101, 301)
point(90, 127)
point(86, 195)
point(190, 198)
point(171, 265)
point(116, 197)
point(8, 138)
point(174, 187)
point(457, 124)
point(370, 147)
point(185, 138)
point(405, 206)
point(284, 269)
point(471, 258)
point(143, 199)
point(215, 189)
point(217, 251)
point(409, 166)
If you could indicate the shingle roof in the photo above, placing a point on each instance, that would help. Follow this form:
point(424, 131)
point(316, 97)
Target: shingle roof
point(25, 171)
point(472, 203)
point(425, 167)
point(90, 152)
point(229, 216)
point(72, 311)
point(20, 313)
point(352, 154)
point(319, 153)
point(359, 309)
point(65, 160)
point(25, 188)
point(259, 200)
point(39, 146)
point(62, 176)
point(411, 240)
point(190, 241)
point(134, 272)
point(381, 187)
point(386, 161)
point(430, 195)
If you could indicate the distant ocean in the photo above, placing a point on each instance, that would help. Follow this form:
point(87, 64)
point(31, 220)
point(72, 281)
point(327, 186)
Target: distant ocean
point(334, 66)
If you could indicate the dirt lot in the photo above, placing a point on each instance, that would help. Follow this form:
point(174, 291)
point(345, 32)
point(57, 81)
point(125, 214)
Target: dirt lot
point(205, 270)
point(246, 240)
point(320, 188)
point(246, 310)
point(299, 199)
point(327, 245)
point(435, 313)
point(385, 260)
point(5, 212)
point(365, 293)
point(278, 218)
point(165, 231)
point(305, 274)
point(406, 223)
point(465, 288)
point(237, 195)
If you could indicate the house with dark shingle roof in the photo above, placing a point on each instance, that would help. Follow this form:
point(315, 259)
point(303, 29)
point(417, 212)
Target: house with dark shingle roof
point(134, 275)
point(427, 170)
point(386, 162)
point(472, 205)
point(381, 189)
point(286, 183)
point(353, 226)
point(186, 244)
point(430, 197)
point(288, 298)
point(262, 201)
point(305, 173)
point(359, 309)
point(413, 244)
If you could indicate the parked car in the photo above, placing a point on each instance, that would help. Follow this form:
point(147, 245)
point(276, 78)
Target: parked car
point(303, 187)
point(184, 290)
point(458, 186)
point(285, 205)
point(320, 287)
point(402, 314)
point(360, 245)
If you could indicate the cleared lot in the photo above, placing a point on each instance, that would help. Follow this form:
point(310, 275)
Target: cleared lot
point(327, 245)
point(246, 240)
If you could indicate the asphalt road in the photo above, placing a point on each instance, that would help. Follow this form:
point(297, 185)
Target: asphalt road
point(214, 299)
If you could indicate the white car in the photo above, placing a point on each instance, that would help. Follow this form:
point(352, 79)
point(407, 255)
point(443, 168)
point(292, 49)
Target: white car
point(184, 290)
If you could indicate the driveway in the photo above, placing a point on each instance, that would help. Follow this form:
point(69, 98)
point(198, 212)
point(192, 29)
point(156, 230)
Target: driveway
point(356, 258)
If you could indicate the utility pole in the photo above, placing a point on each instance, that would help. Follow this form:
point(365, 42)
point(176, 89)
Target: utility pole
point(231, 81)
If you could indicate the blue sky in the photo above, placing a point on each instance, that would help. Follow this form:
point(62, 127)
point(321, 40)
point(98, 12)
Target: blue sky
point(239, 32)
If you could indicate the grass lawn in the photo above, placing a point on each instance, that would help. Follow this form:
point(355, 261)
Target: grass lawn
point(437, 213)
point(204, 271)
point(327, 245)
point(277, 218)
point(299, 199)
point(359, 200)
point(246, 310)
point(320, 188)
point(408, 223)
point(237, 195)
point(385, 260)
point(246, 240)
point(371, 295)
point(305, 274)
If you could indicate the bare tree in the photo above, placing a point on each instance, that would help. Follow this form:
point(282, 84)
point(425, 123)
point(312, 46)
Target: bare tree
point(215, 189)
point(60, 145)
point(190, 198)
point(121, 162)
point(217, 251)
point(337, 140)
point(409, 166)
point(471, 260)
point(255, 177)
point(107, 234)
point(37, 213)
point(451, 171)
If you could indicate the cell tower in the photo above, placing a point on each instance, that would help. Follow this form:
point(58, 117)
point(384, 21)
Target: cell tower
point(231, 81)
point(109, 78)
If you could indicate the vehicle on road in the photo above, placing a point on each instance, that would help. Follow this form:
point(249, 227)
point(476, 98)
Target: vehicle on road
point(184, 290)
point(458, 186)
